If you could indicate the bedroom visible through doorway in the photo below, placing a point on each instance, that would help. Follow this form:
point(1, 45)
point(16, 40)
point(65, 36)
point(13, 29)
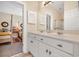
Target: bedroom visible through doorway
point(11, 28)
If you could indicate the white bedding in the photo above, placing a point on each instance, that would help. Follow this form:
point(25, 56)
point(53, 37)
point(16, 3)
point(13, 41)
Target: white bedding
point(4, 39)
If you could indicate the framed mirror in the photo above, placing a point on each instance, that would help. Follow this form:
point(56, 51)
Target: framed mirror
point(4, 24)
point(51, 16)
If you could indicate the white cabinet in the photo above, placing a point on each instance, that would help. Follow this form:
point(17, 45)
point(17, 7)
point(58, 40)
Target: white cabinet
point(63, 45)
point(33, 46)
point(29, 43)
point(42, 46)
point(59, 53)
point(48, 51)
point(43, 50)
point(60, 44)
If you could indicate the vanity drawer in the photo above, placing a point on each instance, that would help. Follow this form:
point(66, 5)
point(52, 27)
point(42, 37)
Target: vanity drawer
point(62, 45)
point(58, 53)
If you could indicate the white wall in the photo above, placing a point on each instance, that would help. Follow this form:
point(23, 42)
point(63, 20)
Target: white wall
point(4, 17)
point(24, 27)
point(7, 9)
point(71, 20)
point(32, 7)
point(71, 16)
point(11, 8)
point(16, 20)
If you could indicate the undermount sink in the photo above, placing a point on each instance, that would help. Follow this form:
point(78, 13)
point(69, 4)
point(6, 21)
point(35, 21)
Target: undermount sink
point(59, 33)
point(41, 31)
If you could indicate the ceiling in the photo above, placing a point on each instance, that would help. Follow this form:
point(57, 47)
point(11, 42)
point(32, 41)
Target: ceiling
point(59, 5)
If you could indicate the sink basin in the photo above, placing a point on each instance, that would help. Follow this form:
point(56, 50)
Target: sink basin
point(41, 31)
point(59, 33)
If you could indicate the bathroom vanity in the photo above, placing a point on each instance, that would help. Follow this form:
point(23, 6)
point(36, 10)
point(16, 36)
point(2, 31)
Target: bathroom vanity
point(53, 45)
point(55, 33)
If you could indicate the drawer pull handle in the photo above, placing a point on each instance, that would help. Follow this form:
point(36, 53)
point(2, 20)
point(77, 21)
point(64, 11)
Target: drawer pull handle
point(41, 39)
point(50, 52)
point(59, 45)
point(47, 51)
point(31, 41)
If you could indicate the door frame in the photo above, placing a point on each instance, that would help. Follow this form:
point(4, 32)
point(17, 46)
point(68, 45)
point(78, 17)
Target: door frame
point(24, 17)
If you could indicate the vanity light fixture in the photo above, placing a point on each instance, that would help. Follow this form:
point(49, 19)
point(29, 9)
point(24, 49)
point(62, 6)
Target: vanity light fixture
point(44, 3)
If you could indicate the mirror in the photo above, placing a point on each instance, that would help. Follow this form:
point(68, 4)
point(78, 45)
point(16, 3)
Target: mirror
point(4, 24)
point(62, 16)
point(11, 22)
point(51, 16)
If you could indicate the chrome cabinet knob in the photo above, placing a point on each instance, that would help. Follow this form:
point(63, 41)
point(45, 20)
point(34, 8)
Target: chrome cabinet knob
point(31, 41)
point(59, 45)
point(41, 39)
point(46, 50)
point(50, 52)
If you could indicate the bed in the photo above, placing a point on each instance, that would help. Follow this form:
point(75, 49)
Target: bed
point(5, 37)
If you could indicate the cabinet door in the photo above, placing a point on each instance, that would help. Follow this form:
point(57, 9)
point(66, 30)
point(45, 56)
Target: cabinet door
point(43, 50)
point(33, 46)
point(51, 51)
point(29, 44)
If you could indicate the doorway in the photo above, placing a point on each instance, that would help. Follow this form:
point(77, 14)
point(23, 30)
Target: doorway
point(11, 28)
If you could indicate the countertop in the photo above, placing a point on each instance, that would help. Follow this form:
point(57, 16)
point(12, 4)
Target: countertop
point(65, 36)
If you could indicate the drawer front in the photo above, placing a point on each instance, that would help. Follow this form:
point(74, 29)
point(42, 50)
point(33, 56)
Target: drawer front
point(58, 53)
point(63, 45)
